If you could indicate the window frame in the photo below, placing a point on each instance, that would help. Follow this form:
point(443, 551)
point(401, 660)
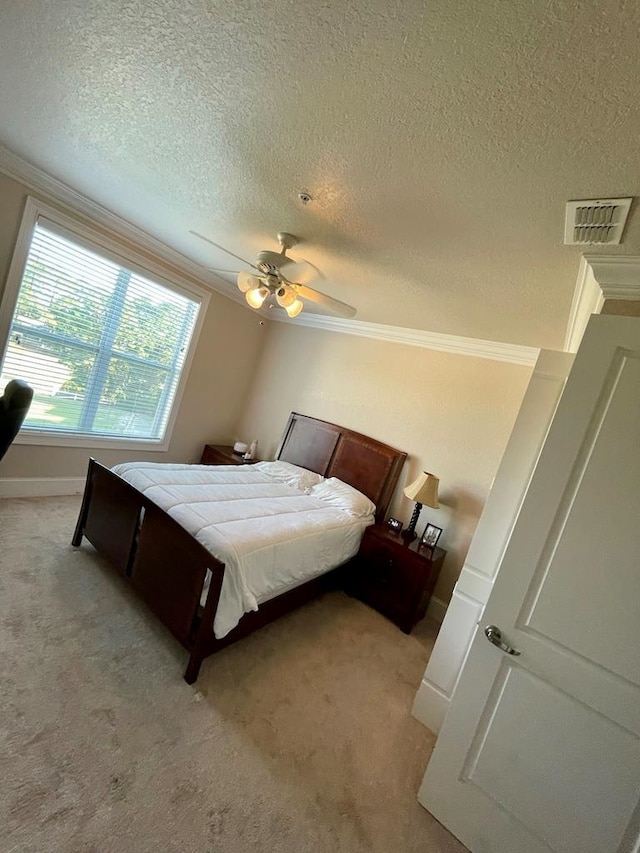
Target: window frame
point(96, 239)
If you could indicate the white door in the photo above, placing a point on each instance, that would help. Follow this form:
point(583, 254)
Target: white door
point(491, 536)
point(541, 751)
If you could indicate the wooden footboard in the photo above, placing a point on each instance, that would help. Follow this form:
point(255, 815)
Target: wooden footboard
point(164, 563)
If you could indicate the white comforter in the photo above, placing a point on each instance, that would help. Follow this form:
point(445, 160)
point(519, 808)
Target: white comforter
point(270, 536)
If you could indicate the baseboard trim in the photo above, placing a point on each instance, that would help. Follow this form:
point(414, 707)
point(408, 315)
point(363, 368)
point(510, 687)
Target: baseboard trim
point(436, 609)
point(40, 487)
point(430, 706)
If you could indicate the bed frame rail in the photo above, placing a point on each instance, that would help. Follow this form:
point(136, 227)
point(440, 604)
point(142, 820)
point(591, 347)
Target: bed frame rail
point(164, 563)
point(109, 516)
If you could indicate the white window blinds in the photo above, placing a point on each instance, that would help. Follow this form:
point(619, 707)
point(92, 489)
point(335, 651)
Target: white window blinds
point(102, 346)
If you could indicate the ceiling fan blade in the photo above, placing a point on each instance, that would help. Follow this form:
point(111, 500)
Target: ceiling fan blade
point(300, 272)
point(222, 248)
point(329, 302)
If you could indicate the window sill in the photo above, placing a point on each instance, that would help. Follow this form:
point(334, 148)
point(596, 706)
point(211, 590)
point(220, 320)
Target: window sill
point(48, 439)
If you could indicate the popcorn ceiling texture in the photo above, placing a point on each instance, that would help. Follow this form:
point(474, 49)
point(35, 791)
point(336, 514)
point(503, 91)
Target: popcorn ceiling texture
point(440, 141)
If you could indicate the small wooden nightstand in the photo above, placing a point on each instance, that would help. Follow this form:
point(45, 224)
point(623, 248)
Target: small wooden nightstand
point(395, 578)
point(222, 454)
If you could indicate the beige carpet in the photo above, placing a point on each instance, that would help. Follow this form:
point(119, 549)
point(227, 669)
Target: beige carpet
point(298, 738)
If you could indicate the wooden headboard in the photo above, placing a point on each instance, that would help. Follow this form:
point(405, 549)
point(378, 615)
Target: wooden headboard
point(334, 451)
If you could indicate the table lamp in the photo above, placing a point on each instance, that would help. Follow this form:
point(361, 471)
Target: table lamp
point(423, 490)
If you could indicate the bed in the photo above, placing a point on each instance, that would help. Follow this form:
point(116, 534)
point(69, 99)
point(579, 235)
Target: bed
point(144, 531)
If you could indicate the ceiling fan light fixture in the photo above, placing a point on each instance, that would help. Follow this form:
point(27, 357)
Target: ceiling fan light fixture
point(285, 296)
point(256, 295)
point(295, 308)
point(277, 280)
point(247, 281)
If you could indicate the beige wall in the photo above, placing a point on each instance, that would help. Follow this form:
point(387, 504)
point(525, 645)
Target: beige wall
point(214, 395)
point(453, 414)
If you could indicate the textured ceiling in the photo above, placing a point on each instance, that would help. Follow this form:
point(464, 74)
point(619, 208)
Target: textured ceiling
point(440, 141)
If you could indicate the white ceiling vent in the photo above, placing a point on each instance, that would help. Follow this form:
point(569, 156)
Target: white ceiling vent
point(595, 221)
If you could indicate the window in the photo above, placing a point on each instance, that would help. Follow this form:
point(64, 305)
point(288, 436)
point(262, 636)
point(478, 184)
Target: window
point(103, 345)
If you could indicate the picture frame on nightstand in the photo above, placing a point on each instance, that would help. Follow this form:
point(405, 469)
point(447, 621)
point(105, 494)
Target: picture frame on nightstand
point(430, 536)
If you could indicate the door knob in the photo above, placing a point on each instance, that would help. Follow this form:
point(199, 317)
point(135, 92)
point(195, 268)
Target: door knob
point(494, 635)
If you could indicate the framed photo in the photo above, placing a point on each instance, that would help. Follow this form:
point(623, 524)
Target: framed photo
point(430, 536)
point(394, 524)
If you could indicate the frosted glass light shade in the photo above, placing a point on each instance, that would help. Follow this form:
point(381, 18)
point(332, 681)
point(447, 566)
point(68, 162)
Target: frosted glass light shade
point(424, 490)
point(295, 308)
point(285, 296)
point(247, 281)
point(256, 296)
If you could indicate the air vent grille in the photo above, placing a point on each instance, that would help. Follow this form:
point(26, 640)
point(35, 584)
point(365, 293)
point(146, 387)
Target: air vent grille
point(595, 221)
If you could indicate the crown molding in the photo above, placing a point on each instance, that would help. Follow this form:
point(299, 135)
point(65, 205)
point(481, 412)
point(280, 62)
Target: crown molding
point(587, 300)
point(618, 276)
point(60, 193)
point(600, 277)
point(493, 350)
point(76, 203)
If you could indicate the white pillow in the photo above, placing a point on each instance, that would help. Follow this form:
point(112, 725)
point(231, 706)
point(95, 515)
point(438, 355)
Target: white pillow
point(289, 474)
point(343, 496)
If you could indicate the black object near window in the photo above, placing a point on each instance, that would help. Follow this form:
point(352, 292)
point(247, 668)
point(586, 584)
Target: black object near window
point(14, 405)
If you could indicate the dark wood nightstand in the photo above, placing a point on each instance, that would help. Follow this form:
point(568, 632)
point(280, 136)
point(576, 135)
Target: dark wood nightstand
point(395, 578)
point(222, 454)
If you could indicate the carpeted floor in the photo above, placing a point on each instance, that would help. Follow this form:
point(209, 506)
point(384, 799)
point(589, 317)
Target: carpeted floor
point(299, 738)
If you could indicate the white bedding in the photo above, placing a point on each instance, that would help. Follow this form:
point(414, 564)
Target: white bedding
point(270, 535)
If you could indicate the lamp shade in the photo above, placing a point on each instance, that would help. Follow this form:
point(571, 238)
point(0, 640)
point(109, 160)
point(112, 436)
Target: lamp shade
point(424, 490)
point(256, 295)
point(247, 281)
point(295, 308)
point(285, 296)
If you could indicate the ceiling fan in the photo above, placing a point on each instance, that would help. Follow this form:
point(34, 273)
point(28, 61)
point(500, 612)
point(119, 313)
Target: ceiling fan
point(278, 280)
